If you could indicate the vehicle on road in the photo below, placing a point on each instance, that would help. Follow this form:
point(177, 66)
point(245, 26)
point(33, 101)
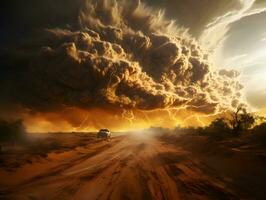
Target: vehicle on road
point(104, 133)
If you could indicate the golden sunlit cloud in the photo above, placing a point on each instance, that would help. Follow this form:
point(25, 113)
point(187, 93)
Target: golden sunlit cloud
point(78, 120)
point(123, 67)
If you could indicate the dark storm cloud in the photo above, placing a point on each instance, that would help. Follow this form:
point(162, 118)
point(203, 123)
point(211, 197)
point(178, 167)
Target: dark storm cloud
point(118, 54)
point(195, 14)
point(21, 18)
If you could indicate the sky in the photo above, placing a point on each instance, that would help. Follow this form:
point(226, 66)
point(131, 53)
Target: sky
point(75, 65)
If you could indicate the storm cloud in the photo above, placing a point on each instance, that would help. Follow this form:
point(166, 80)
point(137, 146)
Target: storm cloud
point(118, 55)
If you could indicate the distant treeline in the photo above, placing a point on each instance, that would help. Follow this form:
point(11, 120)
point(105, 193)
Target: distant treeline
point(234, 124)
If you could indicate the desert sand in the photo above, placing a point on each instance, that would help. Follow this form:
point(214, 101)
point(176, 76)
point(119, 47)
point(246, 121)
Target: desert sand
point(133, 166)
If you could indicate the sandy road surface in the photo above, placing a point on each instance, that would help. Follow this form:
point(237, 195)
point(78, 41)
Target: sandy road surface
point(135, 166)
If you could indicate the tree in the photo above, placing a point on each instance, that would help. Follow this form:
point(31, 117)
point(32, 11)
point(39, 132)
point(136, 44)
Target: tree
point(241, 120)
point(219, 125)
point(259, 133)
point(218, 129)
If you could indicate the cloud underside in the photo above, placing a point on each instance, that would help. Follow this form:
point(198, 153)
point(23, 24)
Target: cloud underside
point(122, 55)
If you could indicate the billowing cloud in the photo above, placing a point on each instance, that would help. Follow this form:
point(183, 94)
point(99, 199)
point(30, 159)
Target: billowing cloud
point(121, 55)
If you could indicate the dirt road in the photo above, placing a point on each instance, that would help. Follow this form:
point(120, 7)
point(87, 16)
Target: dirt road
point(135, 166)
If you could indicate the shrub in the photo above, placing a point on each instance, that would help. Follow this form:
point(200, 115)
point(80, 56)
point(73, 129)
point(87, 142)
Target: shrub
point(11, 131)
